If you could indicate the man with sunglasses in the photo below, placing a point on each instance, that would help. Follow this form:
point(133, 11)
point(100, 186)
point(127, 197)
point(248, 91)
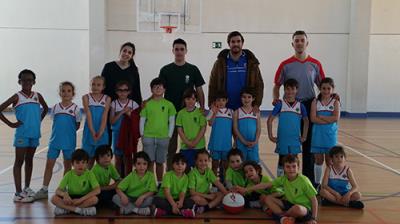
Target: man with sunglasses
point(179, 76)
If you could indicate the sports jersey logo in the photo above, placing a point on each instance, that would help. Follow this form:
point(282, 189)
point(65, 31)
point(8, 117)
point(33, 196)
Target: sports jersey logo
point(344, 176)
point(195, 119)
point(71, 111)
point(295, 191)
point(297, 109)
point(102, 103)
point(162, 108)
point(20, 141)
point(331, 108)
point(84, 183)
point(35, 98)
point(311, 70)
point(187, 78)
point(245, 65)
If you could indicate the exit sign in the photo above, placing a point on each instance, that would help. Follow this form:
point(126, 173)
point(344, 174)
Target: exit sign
point(216, 45)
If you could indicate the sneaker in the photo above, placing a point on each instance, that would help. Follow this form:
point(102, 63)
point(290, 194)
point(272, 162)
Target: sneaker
point(199, 209)
point(158, 212)
point(142, 211)
point(287, 220)
point(89, 211)
point(356, 204)
point(60, 211)
point(188, 213)
point(23, 197)
point(41, 194)
point(29, 192)
point(125, 211)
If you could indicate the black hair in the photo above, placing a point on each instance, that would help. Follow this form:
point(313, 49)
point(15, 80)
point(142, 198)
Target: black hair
point(26, 71)
point(299, 32)
point(255, 165)
point(248, 90)
point(101, 151)
point(189, 93)
point(123, 82)
point(291, 159)
point(326, 80)
point(157, 81)
point(234, 34)
point(141, 155)
point(79, 155)
point(179, 41)
point(291, 83)
point(234, 152)
point(202, 151)
point(337, 150)
point(220, 95)
point(131, 45)
point(179, 157)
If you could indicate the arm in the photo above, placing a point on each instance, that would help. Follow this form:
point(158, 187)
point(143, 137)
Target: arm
point(122, 195)
point(140, 199)
point(115, 116)
point(44, 105)
point(111, 186)
point(181, 199)
point(258, 132)
point(325, 183)
point(236, 129)
point(199, 136)
point(335, 116)
point(104, 117)
point(85, 102)
point(200, 94)
point(260, 186)
point(93, 193)
point(141, 125)
point(352, 180)
point(275, 94)
point(305, 129)
point(213, 113)
point(314, 209)
point(171, 126)
point(221, 187)
point(182, 135)
point(12, 100)
point(269, 127)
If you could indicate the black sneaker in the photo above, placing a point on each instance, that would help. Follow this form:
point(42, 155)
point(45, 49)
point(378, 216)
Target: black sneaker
point(325, 202)
point(356, 204)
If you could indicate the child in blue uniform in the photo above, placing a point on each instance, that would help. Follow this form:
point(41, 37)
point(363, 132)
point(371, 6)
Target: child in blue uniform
point(325, 113)
point(26, 104)
point(66, 120)
point(96, 106)
point(247, 126)
point(290, 112)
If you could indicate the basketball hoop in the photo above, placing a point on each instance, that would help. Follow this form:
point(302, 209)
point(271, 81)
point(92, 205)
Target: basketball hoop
point(169, 33)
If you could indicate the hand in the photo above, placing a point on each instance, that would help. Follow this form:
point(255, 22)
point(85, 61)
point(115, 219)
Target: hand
point(203, 110)
point(127, 111)
point(338, 197)
point(124, 200)
point(336, 96)
point(241, 190)
point(211, 196)
point(191, 145)
point(275, 101)
point(77, 201)
point(303, 139)
point(251, 144)
point(67, 200)
point(273, 139)
point(180, 203)
point(175, 209)
point(93, 133)
point(346, 198)
point(15, 124)
point(214, 108)
point(256, 109)
point(139, 201)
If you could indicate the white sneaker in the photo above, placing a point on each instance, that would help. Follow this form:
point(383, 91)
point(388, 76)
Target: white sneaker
point(41, 194)
point(142, 211)
point(90, 211)
point(23, 197)
point(29, 192)
point(60, 211)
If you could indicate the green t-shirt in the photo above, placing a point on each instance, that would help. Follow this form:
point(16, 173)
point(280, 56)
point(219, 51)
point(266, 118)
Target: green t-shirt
point(178, 79)
point(235, 177)
point(175, 184)
point(78, 185)
point(134, 186)
point(298, 191)
point(265, 179)
point(191, 122)
point(104, 175)
point(201, 182)
point(157, 113)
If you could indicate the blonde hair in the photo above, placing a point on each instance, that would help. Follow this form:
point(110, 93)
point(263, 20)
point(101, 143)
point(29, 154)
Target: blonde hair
point(66, 83)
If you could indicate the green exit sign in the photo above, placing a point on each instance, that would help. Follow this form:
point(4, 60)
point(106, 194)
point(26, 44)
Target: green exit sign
point(216, 45)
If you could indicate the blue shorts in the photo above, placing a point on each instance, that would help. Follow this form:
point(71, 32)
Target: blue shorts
point(219, 155)
point(90, 150)
point(250, 155)
point(319, 150)
point(53, 153)
point(289, 149)
point(22, 142)
point(190, 155)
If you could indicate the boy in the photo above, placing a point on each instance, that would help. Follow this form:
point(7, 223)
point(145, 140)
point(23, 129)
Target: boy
point(234, 176)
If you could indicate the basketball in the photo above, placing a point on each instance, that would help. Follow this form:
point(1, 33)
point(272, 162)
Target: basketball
point(233, 203)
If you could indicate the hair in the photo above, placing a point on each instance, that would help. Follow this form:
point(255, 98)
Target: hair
point(26, 71)
point(202, 151)
point(188, 94)
point(291, 83)
point(99, 77)
point(179, 41)
point(328, 81)
point(79, 155)
point(234, 152)
point(255, 165)
point(157, 81)
point(123, 82)
point(234, 34)
point(220, 95)
point(299, 32)
point(131, 45)
point(179, 157)
point(291, 159)
point(248, 90)
point(141, 155)
point(66, 83)
point(337, 150)
point(101, 151)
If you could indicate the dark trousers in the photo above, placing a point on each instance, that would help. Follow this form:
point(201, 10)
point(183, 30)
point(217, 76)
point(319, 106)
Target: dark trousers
point(163, 203)
point(308, 158)
point(172, 147)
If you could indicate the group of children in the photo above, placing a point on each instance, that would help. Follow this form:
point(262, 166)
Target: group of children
point(186, 189)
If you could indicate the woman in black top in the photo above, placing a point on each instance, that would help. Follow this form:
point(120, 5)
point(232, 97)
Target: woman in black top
point(124, 69)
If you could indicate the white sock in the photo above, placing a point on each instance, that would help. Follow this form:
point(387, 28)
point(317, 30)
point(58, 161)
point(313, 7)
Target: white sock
point(318, 173)
point(280, 171)
point(78, 210)
point(46, 188)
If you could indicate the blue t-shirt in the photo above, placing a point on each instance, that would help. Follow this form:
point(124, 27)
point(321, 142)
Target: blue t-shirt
point(236, 73)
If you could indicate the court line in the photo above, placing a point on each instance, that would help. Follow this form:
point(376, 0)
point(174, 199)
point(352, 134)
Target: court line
point(36, 153)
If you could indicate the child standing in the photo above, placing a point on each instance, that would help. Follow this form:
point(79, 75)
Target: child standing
point(201, 178)
point(157, 122)
point(234, 176)
point(325, 113)
point(135, 192)
point(191, 125)
point(78, 188)
point(220, 118)
point(290, 112)
point(247, 126)
point(26, 104)
point(339, 185)
point(66, 121)
point(96, 106)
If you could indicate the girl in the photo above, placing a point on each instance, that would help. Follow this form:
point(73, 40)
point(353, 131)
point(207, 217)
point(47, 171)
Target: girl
point(325, 113)
point(247, 126)
point(96, 106)
point(66, 120)
point(135, 192)
point(26, 104)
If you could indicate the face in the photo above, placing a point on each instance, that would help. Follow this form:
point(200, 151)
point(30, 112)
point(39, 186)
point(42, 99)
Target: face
point(141, 165)
point(97, 86)
point(179, 51)
point(158, 90)
point(221, 103)
point(251, 173)
point(126, 54)
point(290, 92)
point(326, 89)
point(300, 43)
point(123, 92)
point(80, 166)
point(235, 162)
point(291, 169)
point(338, 159)
point(190, 102)
point(247, 99)
point(179, 167)
point(67, 92)
point(105, 160)
point(202, 162)
point(27, 81)
point(236, 44)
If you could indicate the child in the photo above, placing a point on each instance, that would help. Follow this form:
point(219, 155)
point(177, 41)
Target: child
point(96, 106)
point(220, 118)
point(157, 121)
point(290, 114)
point(325, 113)
point(247, 126)
point(300, 202)
point(66, 121)
point(191, 125)
point(339, 185)
point(26, 104)
point(119, 107)
point(171, 197)
point(234, 176)
point(104, 172)
point(200, 179)
point(78, 188)
point(135, 192)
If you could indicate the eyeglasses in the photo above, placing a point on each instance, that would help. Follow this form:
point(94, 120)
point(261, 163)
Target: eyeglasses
point(122, 90)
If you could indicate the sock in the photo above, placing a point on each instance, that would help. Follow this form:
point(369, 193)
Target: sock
point(318, 173)
point(280, 171)
point(78, 210)
point(46, 188)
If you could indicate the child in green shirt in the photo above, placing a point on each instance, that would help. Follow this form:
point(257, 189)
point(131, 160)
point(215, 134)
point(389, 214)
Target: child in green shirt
point(135, 192)
point(234, 176)
point(78, 188)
